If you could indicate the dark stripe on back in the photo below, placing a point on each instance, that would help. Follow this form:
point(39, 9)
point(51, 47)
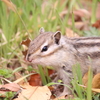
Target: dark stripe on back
point(80, 45)
point(85, 38)
point(92, 55)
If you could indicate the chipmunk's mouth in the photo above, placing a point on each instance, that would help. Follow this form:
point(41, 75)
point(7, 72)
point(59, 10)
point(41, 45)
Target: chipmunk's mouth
point(30, 60)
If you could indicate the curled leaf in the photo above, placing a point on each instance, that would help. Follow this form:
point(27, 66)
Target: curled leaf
point(26, 42)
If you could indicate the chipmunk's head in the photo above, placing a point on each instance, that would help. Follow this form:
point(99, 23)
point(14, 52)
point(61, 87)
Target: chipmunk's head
point(43, 49)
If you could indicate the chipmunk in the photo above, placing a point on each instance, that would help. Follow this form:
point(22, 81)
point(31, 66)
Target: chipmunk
point(61, 52)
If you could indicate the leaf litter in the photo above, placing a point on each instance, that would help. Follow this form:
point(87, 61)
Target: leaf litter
point(14, 87)
point(34, 93)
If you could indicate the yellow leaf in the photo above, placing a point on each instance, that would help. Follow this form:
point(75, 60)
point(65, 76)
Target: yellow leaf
point(34, 93)
point(96, 81)
point(96, 90)
point(93, 89)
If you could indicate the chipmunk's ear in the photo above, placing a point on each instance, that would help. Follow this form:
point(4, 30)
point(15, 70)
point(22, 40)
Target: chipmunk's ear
point(41, 30)
point(57, 37)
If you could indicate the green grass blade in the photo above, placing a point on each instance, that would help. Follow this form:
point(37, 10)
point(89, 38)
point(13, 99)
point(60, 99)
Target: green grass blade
point(94, 7)
point(89, 86)
point(41, 72)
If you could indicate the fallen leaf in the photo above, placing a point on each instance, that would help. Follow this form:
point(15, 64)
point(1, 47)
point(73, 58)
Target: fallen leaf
point(93, 89)
point(35, 80)
point(96, 90)
point(97, 24)
point(50, 71)
point(9, 87)
point(26, 42)
point(34, 93)
point(96, 81)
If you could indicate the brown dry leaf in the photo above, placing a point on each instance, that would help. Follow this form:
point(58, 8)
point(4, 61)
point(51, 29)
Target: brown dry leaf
point(96, 81)
point(70, 33)
point(97, 24)
point(96, 90)
point(35, 80)
point(9, 87)
point(10, 5)
point(26, 42)
point(93, 89)
point(34, 93)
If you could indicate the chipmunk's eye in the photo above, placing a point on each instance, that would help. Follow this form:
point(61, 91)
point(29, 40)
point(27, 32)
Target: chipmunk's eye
point(45, 48)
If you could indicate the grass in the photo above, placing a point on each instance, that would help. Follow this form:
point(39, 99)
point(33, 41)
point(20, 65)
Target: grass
point(79, 92)
point(83, 93)
point(28, 17)
point(94, 5)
